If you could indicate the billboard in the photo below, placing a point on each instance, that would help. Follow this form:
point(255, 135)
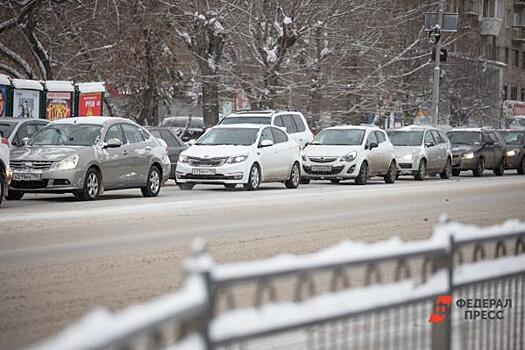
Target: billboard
point(58, 105)
point(3, 100)
point(90, 104)
point(26, 103)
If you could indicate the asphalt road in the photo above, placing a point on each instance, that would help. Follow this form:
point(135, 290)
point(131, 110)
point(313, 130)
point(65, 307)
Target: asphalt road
point(60, 258)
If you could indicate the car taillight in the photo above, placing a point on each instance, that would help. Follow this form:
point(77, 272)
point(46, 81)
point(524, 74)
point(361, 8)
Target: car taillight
point(5, 141)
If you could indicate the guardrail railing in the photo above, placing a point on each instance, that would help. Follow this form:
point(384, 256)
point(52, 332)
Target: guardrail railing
point(463, 288)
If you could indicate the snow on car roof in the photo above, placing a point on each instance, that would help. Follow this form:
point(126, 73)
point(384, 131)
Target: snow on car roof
point(360, 127)
point(241, 126)
point(60, 85)
point(27, 84)
point(466, 129)
point(91, 120)
point(4, 80)
point(91, 87)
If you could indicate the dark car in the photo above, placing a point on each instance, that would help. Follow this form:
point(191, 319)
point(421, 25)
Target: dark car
point(477, 149)
point(186, 131)
point(515, 149)
point(174, 143)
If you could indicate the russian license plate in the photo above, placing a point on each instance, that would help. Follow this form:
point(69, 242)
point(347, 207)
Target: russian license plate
point(321, 168)
point(203, 171)
point(27, 177)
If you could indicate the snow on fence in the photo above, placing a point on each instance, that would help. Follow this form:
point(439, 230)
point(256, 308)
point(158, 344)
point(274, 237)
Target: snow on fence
point(353, 295)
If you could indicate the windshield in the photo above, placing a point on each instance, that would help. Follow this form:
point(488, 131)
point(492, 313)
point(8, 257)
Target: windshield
point(350, 137)
point(405, 138)
point(181, 122)
point(67, 135)
point(464, 137)
point(247, 120)
point(229, 136)
point(514, 137)
point(6, 128)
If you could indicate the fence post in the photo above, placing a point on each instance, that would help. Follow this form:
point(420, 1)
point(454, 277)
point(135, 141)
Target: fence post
point(200, 265)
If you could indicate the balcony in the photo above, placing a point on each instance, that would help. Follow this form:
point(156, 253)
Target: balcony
point(491, 26)
point(518, 33)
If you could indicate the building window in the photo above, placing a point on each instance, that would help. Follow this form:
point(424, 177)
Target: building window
point(509, 18)
point(516, 58)
point(506, 55)
point(514, 93)
point(523, 60)
point(505, 92)
point(492, 8)
point(523, 94)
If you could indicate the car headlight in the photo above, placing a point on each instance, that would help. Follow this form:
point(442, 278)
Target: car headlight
point(67, 163)
point(183, 158)
point(407, 157)
point(468, 155)
point(304, 157)
point(166, 159)
point(349, 157)
point(512, 152)
point(237, 159)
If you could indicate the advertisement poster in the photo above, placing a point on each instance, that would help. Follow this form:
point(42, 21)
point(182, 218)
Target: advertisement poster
point(90, 104)
point(58, 105)
point(26, 104)
point(3, 100)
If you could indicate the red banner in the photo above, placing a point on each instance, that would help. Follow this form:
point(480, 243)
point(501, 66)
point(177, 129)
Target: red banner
point(90, 105)
point(58, 105)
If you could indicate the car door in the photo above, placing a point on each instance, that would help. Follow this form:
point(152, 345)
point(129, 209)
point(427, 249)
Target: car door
point(498, 148)
point(374, 155)
point(383, 149)
point(267, 156)
point(174, 147)
point(487, 150)
point(301, 130)
point(441, 150)
point(284, 153)
point(113, 160)
point(291, 129)
point(138, 156)
point(432, 150)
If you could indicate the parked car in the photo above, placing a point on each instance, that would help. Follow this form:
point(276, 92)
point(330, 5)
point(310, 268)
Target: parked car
point(5, 170)
point(349, 152)
point(516, 122)
point(247, 154)
point(294, 122)
point(185, 131)
point(173, 143)
point(20, 130)
point(86, 156)
point(515, 149)
point(422, 151)
point(477, 149)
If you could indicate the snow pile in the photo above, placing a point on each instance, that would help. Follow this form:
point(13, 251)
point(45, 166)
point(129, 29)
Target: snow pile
point(99, 328)
point(462, 232)
point(91, 87)
point(4, 80)
point(27, 84)
point(191, 342)
point(60, 86)
point(288, 314)
point(484, 270)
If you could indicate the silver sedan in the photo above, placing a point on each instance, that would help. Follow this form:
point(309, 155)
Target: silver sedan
point(88, 155)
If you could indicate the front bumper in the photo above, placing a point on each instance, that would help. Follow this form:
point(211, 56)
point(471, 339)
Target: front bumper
point(329, 171)
point(459, 163)
point(52, 181)
point(225, 174)
point(513, 162)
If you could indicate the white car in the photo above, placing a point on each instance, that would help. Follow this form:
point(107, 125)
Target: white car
point(246, 154)
point(5, 171)
point(349, 152)
point(18, 129)
point(293, 122)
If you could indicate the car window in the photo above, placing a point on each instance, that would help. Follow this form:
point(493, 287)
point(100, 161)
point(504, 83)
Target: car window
point(289, 124)
point(443, 136)
point(514, 137)
point(371, 138)
point(493, 137)
point(429, 138)
point(279, 121)
point(278, 135)
point(26, 130)
point(266, 135)
point(169, 138)
point(380, 137)
point(114, 132)
point(437, 137)
point(299, 123)
point(132, 133)
point(145, 134)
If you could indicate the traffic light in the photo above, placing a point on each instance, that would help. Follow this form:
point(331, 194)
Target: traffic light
point(442, 56)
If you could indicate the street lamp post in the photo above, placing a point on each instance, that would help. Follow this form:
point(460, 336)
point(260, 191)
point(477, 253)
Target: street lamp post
point(437, 60)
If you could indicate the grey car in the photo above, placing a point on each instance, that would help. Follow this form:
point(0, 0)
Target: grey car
point(173, 143)
point(422, 151)
point(88, 155)
point(17, 129)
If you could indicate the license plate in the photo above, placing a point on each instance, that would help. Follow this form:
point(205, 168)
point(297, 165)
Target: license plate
point(321, 168)
point(27, 177)
point(203, 171)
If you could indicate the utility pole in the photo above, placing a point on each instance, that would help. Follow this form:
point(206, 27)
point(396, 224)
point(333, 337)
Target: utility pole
point(437, 61)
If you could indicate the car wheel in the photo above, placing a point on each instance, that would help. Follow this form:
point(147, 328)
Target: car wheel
point(447, 172)
point(422, 170)
point(362, 177)
point(2, 188)
point(480, 168)
point(230, 186)
point(390, 176)
point(456, 172)
point(185, 186)
point(295, 177)
point(304, 181)
point(153, 185)
point(91, 189)
point(254, 180)
point(335, 181)
point(14, 195)
point(500, 169)
point(521, 168)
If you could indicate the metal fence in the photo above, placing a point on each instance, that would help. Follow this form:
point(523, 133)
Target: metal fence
point(352, 296)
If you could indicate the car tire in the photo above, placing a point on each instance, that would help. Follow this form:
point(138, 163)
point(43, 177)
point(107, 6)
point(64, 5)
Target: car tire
point(447, 172)
point(456, 172)
point(304, 181)
point(14, 195)
point(335, 181)
point(185, 186)
point(480, 168)
point(230, 186)
point(521, 168)
point(390, 176)
point(499, 170)
point(421, 171)
point(295, 177)
point(254, 180)
point(92, 185)
point(362, 177)
point(152, 188)
point(2, 188)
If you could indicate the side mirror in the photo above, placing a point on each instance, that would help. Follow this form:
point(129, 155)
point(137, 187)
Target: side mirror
point(192, 142)
point(24, 142)
point(306, 144)
point(372, 145)
point(489, 143)
point(113, 143)
point(266, 143)
point(185, 138)
point(429, 144)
